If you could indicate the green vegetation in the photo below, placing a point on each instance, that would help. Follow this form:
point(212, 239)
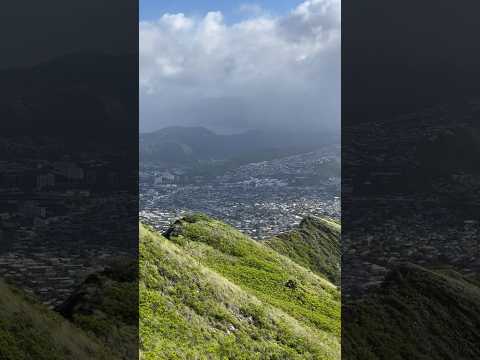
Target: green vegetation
point(29, 330)
point(315, 244)
point(417, 314)
point(106, 307)
point(260, 270)
point(210, 292)
point(206, 292)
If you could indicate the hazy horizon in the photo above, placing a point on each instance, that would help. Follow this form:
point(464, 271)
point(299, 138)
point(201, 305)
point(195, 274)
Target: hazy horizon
point(219, 131)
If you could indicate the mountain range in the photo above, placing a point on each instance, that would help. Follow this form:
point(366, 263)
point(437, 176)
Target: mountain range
point(75, 96)
point(190, 145)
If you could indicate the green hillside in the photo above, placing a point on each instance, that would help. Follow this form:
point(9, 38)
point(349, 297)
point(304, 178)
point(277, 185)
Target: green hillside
point(105, 305)
point(206, 292)
point(210, 292)
point(314, 244)
point(30, 331)
point(417, 314)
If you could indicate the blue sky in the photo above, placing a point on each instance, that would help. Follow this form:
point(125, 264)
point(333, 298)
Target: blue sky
point(153, 9)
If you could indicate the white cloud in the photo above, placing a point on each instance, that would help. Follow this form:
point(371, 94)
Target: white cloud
point(251, 9)
point(177, 22)
point(262, 71)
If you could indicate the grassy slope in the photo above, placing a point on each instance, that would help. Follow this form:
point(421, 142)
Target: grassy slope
point(29, 330)
point(418, 314)
point(201, 301)
point(315, 244)
point(261, 271)
point(106, 306)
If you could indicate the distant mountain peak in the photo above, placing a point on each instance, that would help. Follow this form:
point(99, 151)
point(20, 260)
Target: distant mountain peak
point(197, 130)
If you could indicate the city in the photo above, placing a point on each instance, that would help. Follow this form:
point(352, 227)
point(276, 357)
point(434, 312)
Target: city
point(261, 199)
point(54, 215)
point(414, 202)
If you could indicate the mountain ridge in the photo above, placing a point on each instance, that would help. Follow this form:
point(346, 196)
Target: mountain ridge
point(189, 145)
point(29, 330)
point(83, 88)
point(417, 313)
point(230, 318)
point(313, 244)
point(285, 311)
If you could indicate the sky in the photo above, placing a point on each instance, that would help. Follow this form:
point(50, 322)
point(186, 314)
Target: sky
point(233, 10)
point(233, 66)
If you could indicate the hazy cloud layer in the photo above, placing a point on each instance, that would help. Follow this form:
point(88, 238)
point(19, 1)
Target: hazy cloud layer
point(261, 72)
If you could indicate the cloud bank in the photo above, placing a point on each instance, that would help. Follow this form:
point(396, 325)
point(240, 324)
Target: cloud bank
point(261, 72)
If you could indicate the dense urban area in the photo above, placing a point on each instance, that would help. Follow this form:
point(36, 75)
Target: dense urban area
point(419, 202)
point(260, 199)
point(56, 222)
point(431, 222)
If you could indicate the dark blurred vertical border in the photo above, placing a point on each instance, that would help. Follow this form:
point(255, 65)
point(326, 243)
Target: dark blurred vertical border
point(69, 179)
point(411, 180)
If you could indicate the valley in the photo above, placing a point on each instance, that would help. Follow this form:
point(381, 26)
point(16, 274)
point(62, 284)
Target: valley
point(259, 197)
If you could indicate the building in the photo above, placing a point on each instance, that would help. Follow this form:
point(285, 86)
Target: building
point(165, 177)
